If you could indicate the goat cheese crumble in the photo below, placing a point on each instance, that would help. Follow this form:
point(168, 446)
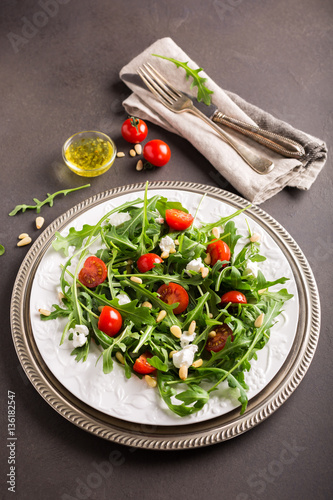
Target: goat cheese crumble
point(167, 244)
point(80, 333)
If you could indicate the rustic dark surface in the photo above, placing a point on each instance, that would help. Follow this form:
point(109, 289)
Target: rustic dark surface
point(61, 77)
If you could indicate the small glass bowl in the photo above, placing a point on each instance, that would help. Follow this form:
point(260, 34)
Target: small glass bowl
point(89, 153)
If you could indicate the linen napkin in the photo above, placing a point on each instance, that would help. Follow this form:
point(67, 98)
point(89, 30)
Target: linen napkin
point(253, 186)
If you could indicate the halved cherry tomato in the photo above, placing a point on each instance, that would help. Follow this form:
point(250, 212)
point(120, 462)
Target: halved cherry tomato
point(110, 321)
point(141, 364)
point(177, 219)
point(218, 342)
point(156, 152)
point(234, 296)
point(173, 293)
point(147, 261)
point(218, 250)
point(134, 130)
point(93, 273)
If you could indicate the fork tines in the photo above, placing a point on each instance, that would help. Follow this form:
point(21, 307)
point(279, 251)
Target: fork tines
point(157, 84)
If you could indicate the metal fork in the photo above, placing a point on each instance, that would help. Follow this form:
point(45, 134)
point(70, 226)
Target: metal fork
point(177, 101)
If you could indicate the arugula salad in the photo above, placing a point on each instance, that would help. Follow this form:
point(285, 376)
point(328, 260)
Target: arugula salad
point(168, 299)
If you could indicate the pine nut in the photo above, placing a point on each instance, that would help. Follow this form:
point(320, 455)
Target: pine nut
point(212, 333)
point(39, 222)
point(176, 331)
point(23, 235)
point(211, 315)
point(161, 316)
point(120, 358)
point(120, 154)
point(204, 272)
point(208, 259)
point(255, 237)
point(100, 308)
point(61, 296)
point(176, 242)
point(172, 250)
point(197, 363)
point(147, 304)
point(172, 353)
point(44, 312)
point(136, 279)
point(262, 291)
point(183, 371)
point(150, 381)
point(132, 153)
point(164, 255)
point(25, 241)
point(192, 327)
point(138, 149)
point(259, 321)
point(139, 166)
point(215, 232)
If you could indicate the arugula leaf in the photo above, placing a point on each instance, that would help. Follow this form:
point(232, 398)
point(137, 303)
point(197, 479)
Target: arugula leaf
point(74, 238)
point(2, 249)
point(57, 313)
point(50, 198)
point(204, 94)
point(164, 204)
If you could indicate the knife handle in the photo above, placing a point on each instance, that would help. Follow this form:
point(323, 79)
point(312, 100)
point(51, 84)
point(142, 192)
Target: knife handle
point(276, 142)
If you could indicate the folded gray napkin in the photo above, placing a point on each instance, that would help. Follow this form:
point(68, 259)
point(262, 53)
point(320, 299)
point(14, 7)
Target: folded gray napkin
point(255, 187)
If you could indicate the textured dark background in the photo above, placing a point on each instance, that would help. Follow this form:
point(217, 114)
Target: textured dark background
point(62, 77)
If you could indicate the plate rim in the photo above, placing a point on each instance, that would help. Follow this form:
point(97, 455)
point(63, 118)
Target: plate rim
point(194, 435)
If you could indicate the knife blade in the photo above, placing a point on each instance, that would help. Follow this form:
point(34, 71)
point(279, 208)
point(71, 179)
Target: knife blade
point(280, 144)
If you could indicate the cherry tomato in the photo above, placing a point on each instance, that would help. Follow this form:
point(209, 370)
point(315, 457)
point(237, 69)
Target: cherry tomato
point(110, 321)
point(177, 219)
point(156, 152)
point(217, 343)
point(147, 261)
point(93, 273)
point(172, 293)
point(134, 130)
point(218, 250)
point(141, 364)
point(234, 296)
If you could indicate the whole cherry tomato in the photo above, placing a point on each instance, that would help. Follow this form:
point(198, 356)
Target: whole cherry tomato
point(93, 273)
point(173, 293)
point(141, 364)
point(147, 262)
point(134, 130)
point(156, 152)
point(177, 219)
point(218, 250)
point(234, 296)
point(110, 321)
point(218, 342)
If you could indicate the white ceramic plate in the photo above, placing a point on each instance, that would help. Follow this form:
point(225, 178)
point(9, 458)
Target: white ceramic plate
point(131, 399)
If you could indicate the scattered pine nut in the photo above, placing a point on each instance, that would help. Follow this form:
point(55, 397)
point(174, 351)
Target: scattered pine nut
point(192, 327)
point(120, 358)
point(61, 296)
point(172, 250)
point(147, 304)
point(132, 152)
point(211, 315)
point(208, 259)
point(138, 149)
point(204, 271)
point(136, 279)
point(176, 331)
point(259, 321)
point(25, 241)
point(255, 237)
point(39, 222)
point(120, 154)
point(161, 316)
point(197, 363)
point(183, 371)
point(23, 235)
point(212, 334)
point(150, 381)
point(44, 312)
point(262, 291)
point(139, 166)
point(100, 308)
point(172, 353)
point(176, 242)
point(164, 255)
point(215, 232)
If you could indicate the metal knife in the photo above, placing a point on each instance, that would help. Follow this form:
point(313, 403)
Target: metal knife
point(276, 142)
